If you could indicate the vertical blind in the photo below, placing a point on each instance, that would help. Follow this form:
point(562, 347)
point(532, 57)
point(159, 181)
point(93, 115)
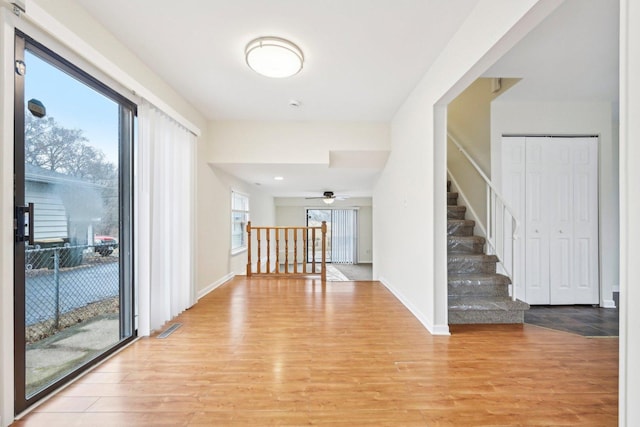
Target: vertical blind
point(344, 228)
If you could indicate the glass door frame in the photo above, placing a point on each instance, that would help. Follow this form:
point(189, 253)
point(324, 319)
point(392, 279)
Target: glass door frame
point(127, 113)
point(310, 254)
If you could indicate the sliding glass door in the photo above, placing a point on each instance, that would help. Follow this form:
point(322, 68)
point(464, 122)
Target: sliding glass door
point(342, 234)
point(73, 286)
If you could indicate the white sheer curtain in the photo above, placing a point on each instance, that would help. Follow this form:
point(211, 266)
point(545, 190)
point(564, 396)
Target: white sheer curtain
point(164, 218)
point(343, 236)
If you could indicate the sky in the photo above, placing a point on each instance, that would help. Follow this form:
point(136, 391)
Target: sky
point(73, 104)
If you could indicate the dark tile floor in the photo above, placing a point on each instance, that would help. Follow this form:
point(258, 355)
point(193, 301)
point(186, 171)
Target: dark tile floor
point(583, 320)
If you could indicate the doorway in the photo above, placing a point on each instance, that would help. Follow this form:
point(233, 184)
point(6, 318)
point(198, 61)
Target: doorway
point(73, 290)
point(342, 234)
point(552, 184)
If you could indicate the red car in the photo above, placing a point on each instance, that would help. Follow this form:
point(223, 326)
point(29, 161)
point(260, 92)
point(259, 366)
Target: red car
point(105, 245)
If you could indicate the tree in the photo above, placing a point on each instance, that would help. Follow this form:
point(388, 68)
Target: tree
point(67, 151)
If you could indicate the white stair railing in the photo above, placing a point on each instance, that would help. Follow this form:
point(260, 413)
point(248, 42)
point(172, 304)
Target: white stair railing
point(502, 226)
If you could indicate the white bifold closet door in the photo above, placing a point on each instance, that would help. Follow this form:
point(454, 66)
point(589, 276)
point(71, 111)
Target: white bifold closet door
point(552, 183)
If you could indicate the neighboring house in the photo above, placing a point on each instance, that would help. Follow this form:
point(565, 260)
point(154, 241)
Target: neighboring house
point(66, 208)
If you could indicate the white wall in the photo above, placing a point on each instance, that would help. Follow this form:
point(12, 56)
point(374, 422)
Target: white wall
point(468, 119)
point(469, 123)
point(292, 142)
point(216, 262)
point(409, 224)
point(629, 207)
point(571, 119)
point(292, 211)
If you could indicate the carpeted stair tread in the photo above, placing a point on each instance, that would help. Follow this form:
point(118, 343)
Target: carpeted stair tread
point(462, 303)
point(463, 263)
point(460, 227)
point(456, 212)
point(473, 279)
point(492, 310)
point(452, 198)
point(478, 285)
point(468, 238)
point(465, 245)
point(473, 257)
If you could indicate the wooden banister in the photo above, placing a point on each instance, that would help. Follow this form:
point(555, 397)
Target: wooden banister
point(290, 234)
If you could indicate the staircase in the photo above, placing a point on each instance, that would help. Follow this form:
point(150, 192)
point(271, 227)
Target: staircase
point(477, 294)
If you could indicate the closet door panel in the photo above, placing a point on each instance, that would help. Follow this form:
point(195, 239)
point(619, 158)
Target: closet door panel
point(537, 226)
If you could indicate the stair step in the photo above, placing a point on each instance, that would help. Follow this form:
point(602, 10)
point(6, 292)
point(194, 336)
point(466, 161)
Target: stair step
point(452, 198)
point(464, 310)
point(465, 245)
point(460, 227)
point(456, 212)
point(471, 264)
point(478, 285)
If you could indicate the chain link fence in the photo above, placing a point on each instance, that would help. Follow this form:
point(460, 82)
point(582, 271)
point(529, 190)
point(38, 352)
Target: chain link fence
point(67, 285)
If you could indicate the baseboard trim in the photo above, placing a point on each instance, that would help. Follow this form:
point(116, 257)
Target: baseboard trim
point(215, 285)
point(433, 329)
point(608, 303)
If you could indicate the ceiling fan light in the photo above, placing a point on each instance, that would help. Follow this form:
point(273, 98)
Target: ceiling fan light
point(274, 57)
point(328, 200)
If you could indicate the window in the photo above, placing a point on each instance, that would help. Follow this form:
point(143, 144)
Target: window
point(239, 219)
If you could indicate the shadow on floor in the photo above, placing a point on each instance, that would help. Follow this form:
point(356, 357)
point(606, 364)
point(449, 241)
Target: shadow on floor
point(583, 320)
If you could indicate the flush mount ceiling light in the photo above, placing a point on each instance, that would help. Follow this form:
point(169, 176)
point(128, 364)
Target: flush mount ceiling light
point(274, 57)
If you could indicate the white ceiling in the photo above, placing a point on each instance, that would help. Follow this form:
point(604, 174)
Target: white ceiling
point(571, 56)
point(362, 59)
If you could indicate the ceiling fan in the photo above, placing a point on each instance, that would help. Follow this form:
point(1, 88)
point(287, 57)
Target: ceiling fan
point(328, 197)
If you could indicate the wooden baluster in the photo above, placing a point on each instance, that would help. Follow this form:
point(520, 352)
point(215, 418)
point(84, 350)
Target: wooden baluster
point(259, 258)
point(313, 244)
point(286, 251)
point(268, 250)
point(248, 248)
point(295, 251)
point(323, 273)
point(305, 243)
point(277, 251)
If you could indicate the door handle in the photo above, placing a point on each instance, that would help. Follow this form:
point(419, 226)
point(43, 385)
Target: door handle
point(21, 223)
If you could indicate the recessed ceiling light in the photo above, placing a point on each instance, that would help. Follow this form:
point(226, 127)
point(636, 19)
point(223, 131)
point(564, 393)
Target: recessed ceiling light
point(278, 178)
point(294, 103)
point(274, 57)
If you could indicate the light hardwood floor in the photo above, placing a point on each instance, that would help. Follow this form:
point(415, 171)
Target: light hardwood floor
point(295, 352)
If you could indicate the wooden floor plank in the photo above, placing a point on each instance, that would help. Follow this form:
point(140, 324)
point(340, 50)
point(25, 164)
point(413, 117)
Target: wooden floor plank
point(297, 352)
